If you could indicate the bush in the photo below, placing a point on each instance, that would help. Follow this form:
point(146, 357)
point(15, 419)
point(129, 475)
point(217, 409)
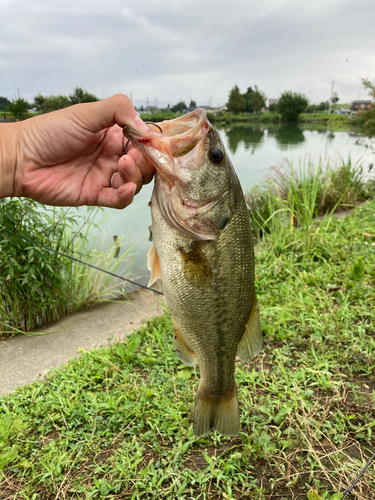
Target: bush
point(367, 118)
point(291, 105)
point(37, 285)
point(295, 196)
point(19, 108)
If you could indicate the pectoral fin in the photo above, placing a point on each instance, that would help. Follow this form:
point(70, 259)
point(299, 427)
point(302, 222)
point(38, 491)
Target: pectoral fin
point(183, 352)
point(251, 341)
point(196, 268)
point(153, 265)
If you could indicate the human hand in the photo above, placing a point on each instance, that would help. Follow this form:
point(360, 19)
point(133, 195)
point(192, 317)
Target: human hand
point(68, 157)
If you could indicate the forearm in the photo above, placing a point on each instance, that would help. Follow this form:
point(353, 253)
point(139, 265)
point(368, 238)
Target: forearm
point(9, 152)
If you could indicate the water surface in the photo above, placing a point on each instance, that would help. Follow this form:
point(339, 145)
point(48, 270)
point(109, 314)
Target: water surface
point(253, 150)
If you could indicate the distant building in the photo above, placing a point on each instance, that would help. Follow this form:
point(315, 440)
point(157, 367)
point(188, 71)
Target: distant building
point(272, 101)
point(360, 105)
point(214, 111)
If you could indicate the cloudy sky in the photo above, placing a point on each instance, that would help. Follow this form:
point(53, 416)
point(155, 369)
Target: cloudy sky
point(168, 50)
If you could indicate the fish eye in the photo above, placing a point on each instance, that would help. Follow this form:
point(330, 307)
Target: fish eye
point(216, 155)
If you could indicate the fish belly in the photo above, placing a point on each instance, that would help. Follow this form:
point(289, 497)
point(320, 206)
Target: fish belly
point(209, 288)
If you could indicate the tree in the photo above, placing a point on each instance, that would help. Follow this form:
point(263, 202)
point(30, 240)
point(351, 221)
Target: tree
point(40, 103)
point(322, 106)
point(192, 105)
point(19, 108)
point(236, 102)
point(368, 117)
point(44, 104)
point(179, 107)
point(4, 102)
point(79, 95)
point(335, 98)
point(273, 107)
point(291, 105)
point(255, 100)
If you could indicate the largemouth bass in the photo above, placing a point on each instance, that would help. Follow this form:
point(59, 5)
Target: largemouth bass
point(203, 251)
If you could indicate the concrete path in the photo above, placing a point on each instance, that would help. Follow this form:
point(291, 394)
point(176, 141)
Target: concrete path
point(24, 359)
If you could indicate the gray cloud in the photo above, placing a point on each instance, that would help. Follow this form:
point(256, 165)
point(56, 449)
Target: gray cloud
point(173, 50)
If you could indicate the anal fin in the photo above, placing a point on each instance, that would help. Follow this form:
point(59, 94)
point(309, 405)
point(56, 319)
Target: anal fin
point(221, 413)
point(251, 341)
point(153, 265)
point(182, 350)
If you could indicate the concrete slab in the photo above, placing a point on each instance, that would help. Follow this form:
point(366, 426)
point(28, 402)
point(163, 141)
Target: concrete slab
point(25, 359)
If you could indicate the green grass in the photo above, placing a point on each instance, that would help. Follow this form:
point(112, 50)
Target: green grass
point(329, 119)
point(229, 117)
point(293, 196)
point(9, 116)
point(159, 116)
point(38, 286)
point(117, 422)
point(332, 120)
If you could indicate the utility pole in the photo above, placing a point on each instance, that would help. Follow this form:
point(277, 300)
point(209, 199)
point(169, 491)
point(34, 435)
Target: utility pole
point(18, 90)
point(156, 103)
point(330, 101)
point(131, 96)
point(147, 104)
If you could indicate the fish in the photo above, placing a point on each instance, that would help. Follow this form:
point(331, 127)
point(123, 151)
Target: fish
point(204, 254)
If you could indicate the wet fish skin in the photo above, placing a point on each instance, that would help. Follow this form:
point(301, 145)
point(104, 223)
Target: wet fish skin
point(203, 251)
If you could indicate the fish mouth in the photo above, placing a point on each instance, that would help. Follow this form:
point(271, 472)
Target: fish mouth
point(178, 138)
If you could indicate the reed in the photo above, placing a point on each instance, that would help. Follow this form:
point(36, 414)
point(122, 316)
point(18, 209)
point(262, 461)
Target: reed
point(295, 196)
point(38, 286)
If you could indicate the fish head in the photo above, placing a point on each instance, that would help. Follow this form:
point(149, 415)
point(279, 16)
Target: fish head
point(196, 188)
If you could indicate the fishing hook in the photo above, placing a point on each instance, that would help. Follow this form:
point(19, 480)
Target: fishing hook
point(156, 125)
point(125, 152)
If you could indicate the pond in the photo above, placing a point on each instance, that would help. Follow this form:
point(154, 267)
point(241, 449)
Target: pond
point(253, 150)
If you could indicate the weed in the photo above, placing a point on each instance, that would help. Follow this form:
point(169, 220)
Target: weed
point(117, 422)
point(36, 285)
point(294, 197)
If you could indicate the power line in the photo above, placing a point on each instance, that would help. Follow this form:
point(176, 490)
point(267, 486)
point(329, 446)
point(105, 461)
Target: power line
point(350, 84)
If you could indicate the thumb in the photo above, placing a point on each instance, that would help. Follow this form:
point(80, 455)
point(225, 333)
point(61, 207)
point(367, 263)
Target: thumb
point(115, 110)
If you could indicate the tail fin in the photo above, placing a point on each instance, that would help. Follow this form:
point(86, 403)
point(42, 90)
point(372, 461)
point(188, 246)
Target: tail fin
point(213, 413)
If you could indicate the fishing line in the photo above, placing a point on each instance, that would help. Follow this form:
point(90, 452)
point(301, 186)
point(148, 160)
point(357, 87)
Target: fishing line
point(82, 262)
point(359, 477)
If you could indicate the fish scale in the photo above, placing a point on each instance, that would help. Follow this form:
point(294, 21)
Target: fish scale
point(203, 252)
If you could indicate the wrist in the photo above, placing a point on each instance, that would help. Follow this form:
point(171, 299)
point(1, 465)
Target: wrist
point(9, 155)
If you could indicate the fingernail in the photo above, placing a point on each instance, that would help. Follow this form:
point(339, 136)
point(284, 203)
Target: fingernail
point(140, 124)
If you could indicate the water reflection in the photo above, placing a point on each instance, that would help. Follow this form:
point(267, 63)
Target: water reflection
point(254, 137)
point(253, 150)
point(251, 136)
point(287, 135)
